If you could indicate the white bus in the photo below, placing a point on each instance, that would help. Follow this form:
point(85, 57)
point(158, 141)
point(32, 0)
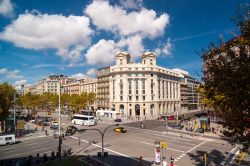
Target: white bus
point(107, 113)
point(83, 120)
point(7, 139)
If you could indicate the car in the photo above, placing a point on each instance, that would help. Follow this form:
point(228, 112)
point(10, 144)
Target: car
point(54, 127)
point(117, 120)
point(70, 130)
point(120, 130)
point(199, 130)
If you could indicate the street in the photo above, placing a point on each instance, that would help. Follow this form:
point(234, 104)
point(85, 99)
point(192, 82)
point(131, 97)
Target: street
point(127, 148)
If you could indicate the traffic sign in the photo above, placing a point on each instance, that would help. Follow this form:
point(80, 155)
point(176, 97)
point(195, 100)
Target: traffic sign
point(163, 145)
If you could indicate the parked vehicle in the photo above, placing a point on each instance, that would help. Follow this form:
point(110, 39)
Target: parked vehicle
point(83, 120)
point(7, 139)
point(117, 120)
point(199, 130)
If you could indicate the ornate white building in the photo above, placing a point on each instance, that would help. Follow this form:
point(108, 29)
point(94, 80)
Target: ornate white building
point(143, 89)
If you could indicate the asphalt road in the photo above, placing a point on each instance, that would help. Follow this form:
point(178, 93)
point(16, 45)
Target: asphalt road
point(39, 145)
point(126, 148)
point(186, 150)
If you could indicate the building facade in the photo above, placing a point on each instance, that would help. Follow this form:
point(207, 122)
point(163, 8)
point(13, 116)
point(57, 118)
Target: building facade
point(189, 91)
point(103, 83)
point(88, 85)
point(142, 89)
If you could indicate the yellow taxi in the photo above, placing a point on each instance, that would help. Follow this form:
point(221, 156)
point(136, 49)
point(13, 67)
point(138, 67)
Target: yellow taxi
point(120, 130)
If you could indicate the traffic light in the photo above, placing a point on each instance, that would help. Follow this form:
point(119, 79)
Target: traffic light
point(205, 157)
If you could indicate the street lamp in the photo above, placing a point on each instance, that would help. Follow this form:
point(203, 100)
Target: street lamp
point(102, 134)
point(59, 112)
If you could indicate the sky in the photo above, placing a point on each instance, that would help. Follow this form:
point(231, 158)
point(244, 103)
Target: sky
point(74, 38)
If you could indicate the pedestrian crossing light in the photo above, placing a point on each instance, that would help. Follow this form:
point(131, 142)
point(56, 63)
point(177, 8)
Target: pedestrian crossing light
point(205, 157)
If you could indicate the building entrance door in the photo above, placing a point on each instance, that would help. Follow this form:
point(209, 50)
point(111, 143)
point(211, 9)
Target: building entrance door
point(137, 110)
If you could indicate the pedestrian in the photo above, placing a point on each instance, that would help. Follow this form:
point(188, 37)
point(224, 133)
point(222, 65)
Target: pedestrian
point(172, 160)
point(164, 163)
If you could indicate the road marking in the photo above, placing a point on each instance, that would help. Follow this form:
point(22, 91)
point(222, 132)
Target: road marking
point(14, 155)
point(173, 137)
point(170, 133)
point(182, 155)
point(9, 151)
point(107, 149)
point(7, 148)
point(39, 149)
point(167, 147)
point(34, 143)
point(178, 141)
point(229, 155)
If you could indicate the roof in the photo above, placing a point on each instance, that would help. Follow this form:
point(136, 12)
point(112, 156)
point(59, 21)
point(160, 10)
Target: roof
point(148, 54)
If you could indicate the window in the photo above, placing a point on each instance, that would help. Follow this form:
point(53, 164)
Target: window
point(121, 98)
point(137, 98)
point(8, 138)
point(120, 61)
point(151, 61)
point(130, 98)
point(143, 98)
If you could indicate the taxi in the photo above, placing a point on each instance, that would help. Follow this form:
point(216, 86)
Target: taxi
point(120, 130)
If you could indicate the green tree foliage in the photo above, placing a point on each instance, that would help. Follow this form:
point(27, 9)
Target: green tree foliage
point(227, 81)
point(6, 99)
point(49, 101)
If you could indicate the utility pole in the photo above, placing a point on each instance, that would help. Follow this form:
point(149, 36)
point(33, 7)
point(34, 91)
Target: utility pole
point(15, 111)
point(59, 112)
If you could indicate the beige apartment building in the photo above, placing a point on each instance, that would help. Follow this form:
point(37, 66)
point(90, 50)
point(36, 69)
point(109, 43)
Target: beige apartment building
point(138, 89)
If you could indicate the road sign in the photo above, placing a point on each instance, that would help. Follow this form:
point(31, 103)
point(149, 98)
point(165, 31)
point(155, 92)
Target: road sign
point(163, 145)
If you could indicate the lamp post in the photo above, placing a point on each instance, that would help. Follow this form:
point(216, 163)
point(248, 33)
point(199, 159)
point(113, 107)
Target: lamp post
point(15, 111)
point(102, 134)
point(59, 112)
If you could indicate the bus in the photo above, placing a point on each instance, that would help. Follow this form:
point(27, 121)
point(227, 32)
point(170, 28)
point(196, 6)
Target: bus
point(107, 113)
point(83, 120)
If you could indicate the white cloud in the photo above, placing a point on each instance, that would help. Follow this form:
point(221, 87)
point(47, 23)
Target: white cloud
point(20, 82)
point(102, 53)
point(68, 35)
point(113, 18)
point(133, 44)
point(15, 74)
point(6, 8)
point(78, 76)
point(131, 4)
point(165, 49)
point(91, 72)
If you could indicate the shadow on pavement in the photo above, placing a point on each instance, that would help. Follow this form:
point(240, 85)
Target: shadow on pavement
point(215, 157)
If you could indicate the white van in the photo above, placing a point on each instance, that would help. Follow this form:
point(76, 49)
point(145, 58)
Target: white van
point(7, 139)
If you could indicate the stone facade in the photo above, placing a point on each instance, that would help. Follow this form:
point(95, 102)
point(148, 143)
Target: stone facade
point(143, 89)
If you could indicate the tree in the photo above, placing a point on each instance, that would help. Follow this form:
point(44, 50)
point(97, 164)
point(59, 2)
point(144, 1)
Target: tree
point(227, 81)
point(6, 99)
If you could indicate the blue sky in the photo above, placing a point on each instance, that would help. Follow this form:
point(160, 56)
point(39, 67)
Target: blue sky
point(43, 37)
